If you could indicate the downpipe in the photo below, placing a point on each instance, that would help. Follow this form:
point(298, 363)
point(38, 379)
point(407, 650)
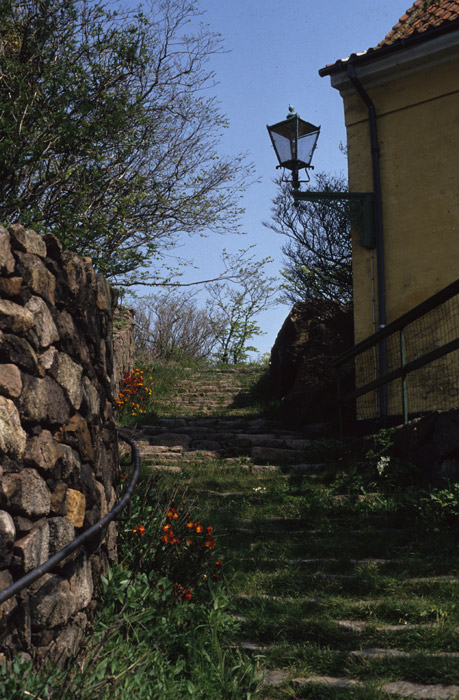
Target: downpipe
point(380, 264)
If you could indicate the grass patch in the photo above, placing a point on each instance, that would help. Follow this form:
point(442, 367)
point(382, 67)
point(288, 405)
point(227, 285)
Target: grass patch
point(292, 610)
point(164, 628)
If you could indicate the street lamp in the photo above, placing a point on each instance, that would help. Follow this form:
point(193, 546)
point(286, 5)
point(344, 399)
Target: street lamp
point(294, 141)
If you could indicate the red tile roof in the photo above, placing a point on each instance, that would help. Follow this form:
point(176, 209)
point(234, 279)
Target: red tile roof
point(423, 15)
point(422, 19)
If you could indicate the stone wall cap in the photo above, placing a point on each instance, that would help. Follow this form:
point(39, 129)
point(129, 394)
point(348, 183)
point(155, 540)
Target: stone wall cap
point(27, 241)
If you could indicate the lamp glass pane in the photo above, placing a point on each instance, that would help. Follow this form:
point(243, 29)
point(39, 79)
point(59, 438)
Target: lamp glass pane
point(283, 147)
point(306, 145)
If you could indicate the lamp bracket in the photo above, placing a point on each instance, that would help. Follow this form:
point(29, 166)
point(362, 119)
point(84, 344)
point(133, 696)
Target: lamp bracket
point(358, 207)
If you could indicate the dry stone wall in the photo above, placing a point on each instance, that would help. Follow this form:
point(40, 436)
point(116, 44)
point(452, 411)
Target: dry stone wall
point(58, 448)
point(312, 334)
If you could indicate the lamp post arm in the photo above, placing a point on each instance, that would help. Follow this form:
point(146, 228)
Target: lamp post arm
point(358, 207)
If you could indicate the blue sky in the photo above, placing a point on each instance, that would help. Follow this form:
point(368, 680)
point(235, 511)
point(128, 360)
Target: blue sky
point(274, 52)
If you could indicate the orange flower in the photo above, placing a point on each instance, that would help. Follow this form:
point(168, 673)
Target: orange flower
point(140, 529)
point(172, 514)
point(189, 525)
point(198, 527)
point(181, 592)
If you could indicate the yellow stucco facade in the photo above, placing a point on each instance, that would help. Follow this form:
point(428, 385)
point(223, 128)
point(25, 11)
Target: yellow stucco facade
point(415, 92)
point(418, 130)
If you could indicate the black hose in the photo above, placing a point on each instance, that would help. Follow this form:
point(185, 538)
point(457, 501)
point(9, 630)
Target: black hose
point(44, 568)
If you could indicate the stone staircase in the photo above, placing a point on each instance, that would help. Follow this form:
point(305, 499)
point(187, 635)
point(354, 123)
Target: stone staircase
point(347, 554)
point(212, 391)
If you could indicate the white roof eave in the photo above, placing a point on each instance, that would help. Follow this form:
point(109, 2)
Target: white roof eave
point(398, 64)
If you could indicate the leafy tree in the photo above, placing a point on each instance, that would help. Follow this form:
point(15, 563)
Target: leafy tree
point(318, 250)
point(107, 137)
point(170, 325)
point(234, 306)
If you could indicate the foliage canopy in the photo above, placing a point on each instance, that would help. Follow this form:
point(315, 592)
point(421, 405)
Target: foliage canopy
point(170, 325)
point(108, 137)
point(318, 249)
point(234, 306)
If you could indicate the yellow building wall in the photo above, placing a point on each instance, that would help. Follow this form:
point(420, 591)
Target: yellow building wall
point(418, 130)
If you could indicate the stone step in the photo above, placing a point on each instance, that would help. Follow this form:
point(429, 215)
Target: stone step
point(307, 467)
point(358, 605)
point(361, 498)
point(214, 389)
point(412, 581)
point(165, 468)
point(190, 456)
point(276, 598)
point(225, 431)
point(277, 455)
point(263, 468)
point(422, 692)
point(403, 689)
point(360, 626)
point(317, 534)
point(277, 521)
point(327, 681)
point(369, 653)
point(355, 562)
point(187, 435)
point(324, 576)
point(219, 494)
point(435, 579)
point(320, 560)
point(252, 648)
point(375, 653)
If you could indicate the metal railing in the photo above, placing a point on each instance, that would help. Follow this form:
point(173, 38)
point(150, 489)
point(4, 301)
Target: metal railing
point(408, 368)
point(88, 534)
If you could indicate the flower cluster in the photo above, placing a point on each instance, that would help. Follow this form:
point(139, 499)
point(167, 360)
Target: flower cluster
point(134, 394)
point(218, 570)
point(182, 593)
point(140, 530)
point(168, 536)
point(164, 541)
point(188, 546)
point(207, 541)
point(197, 536)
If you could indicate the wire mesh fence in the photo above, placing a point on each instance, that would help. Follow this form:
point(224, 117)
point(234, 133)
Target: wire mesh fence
point(408, 368)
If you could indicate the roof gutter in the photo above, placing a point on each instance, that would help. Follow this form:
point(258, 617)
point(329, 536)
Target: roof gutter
point(380, 266)
point(376, 54)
